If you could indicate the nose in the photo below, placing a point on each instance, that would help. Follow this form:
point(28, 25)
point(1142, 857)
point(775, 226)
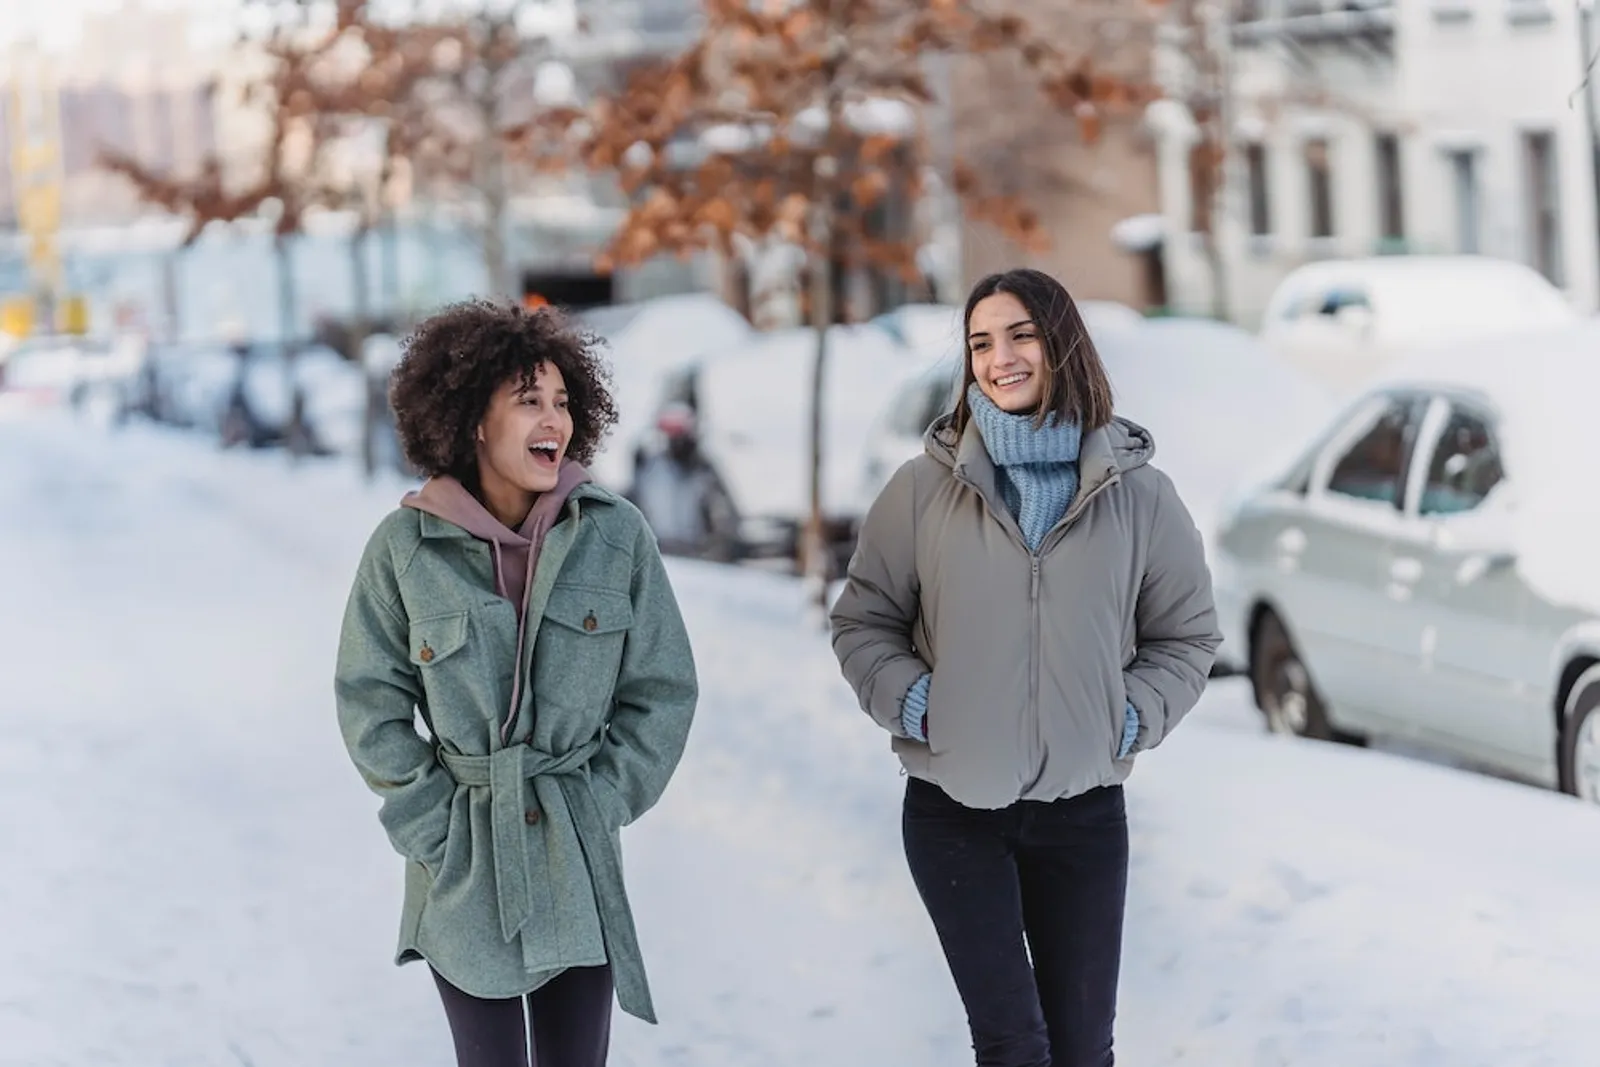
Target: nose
point(1004, 354)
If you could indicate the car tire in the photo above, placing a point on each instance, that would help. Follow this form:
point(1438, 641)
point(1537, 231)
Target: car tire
point(1282, 684)
point(1579, 758)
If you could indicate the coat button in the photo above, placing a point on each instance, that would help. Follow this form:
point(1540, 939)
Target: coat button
point(531, 816)
point(426, 653)
point(591, 623)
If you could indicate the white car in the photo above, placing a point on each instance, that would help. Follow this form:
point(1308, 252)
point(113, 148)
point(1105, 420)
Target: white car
point(1427, 569)
point(1344, 321)
point(648, 342)
point(736, 426)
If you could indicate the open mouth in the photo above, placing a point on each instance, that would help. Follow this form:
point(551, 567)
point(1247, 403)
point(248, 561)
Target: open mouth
point(545, 453)
point(1011, 381)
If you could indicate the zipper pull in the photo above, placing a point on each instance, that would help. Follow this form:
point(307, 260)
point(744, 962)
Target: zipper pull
point(1033, 589)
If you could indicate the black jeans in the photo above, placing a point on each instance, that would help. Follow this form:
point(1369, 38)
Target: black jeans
point(570, 1017)
point(1046, 881)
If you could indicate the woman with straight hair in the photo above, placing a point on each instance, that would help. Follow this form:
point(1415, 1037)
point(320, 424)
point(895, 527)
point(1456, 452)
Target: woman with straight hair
point(1028, 608)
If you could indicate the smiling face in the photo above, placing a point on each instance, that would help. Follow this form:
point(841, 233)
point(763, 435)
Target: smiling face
point(521, 442)
point(1007, 353)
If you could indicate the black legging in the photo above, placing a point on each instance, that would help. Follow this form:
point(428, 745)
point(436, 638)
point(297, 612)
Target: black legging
point(570, 1015)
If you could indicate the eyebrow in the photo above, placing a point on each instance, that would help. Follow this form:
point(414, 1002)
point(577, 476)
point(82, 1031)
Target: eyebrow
point(1013, 326)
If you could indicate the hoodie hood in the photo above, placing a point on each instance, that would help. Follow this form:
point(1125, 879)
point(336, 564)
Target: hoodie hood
point(515, 551)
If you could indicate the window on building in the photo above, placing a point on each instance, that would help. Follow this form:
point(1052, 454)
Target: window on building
point(1543, 199)
point(1391, 203)
point(1255, 161)
point(1464, 177)
point(1319, 169)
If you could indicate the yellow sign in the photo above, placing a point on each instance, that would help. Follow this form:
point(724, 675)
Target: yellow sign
point(73, 316)
point(16, 317)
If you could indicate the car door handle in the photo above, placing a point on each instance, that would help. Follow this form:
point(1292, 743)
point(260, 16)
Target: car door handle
point(1406, 570)
point(1292, 541)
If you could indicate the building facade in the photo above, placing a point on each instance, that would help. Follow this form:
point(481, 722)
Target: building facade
point(1388, 126)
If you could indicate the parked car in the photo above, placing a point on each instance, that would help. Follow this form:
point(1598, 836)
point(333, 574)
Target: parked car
point(1343, 321)
point(1218, 403)
point(1427, 568)
point(732, 433)
point(648, 341)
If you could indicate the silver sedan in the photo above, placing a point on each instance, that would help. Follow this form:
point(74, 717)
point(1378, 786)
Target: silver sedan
point(1428, 569)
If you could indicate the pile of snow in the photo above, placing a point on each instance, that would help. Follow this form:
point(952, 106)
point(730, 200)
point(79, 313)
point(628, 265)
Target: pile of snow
point(1289, 903)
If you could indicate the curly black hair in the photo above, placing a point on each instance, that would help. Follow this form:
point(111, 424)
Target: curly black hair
point(457, 358)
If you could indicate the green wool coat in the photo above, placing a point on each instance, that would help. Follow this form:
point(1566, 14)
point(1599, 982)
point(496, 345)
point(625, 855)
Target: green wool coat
point(513, 862)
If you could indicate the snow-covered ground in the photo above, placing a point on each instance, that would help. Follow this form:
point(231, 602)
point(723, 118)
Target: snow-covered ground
point(194, 874)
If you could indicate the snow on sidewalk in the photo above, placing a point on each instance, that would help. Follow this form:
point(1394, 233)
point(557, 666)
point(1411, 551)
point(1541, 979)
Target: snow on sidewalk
point(196, 876)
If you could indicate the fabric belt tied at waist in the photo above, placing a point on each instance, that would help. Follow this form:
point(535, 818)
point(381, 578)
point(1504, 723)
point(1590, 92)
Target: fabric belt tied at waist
point(555, 787)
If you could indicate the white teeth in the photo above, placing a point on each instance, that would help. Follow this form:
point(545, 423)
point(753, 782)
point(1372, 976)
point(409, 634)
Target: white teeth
point(1011, 379)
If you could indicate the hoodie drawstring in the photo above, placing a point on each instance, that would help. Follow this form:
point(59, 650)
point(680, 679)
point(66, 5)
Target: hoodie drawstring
point(522, 629)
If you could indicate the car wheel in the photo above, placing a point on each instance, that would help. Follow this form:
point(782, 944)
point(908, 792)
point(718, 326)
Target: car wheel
point(1580, 738)
point(1283, 688)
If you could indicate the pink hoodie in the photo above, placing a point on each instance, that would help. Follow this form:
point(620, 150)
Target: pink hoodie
point(516, 552)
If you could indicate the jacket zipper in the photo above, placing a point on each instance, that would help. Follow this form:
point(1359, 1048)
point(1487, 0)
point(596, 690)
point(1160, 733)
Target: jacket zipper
point(1035, 561)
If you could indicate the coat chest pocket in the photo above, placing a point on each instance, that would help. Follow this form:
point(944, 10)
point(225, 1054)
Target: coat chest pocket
point(580, 645)
point(436, 638)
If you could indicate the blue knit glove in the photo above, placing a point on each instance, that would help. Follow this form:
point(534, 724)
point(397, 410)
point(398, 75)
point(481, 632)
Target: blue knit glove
point(914, 709)
point(1130, 730)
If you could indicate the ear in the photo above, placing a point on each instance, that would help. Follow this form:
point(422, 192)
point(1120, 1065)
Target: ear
point(480, 433)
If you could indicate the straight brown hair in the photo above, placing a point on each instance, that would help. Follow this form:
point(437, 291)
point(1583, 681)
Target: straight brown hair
point(1076, 386)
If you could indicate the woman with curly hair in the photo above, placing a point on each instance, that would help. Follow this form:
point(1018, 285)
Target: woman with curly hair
point(524, 613)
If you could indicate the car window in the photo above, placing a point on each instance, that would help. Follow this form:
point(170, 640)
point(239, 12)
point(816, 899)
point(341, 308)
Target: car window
point(1373, 467)
point(1343, 297)
point(1465, 466)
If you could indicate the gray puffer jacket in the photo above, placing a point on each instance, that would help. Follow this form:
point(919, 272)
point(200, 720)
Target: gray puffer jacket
point(1034, 656)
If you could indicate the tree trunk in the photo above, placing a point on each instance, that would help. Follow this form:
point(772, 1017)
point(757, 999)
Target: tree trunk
point(361, 318)
point(492, 183)
point(814, 549)
point(295, 432)
point(171, 311)
point(391, 270)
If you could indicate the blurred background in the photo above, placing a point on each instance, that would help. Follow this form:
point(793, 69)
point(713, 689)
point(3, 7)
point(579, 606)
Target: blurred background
point(1342, 257)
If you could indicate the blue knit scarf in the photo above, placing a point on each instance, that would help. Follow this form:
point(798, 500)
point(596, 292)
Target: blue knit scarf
point(1038, 466)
